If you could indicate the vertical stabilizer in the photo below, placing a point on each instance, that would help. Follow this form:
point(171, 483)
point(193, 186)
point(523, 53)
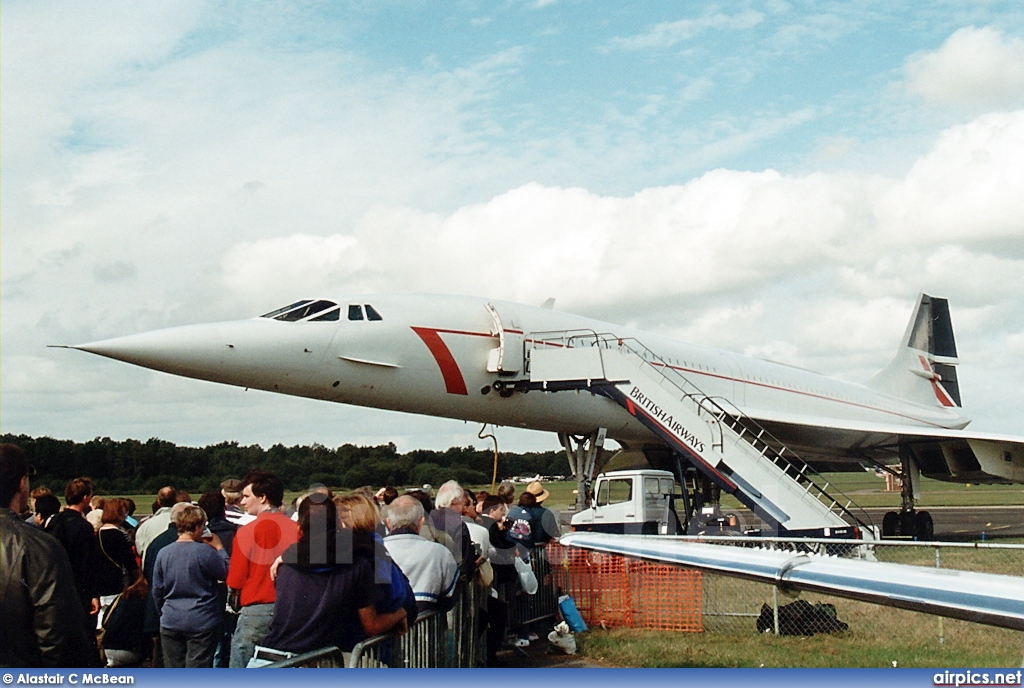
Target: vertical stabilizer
point(924, 369)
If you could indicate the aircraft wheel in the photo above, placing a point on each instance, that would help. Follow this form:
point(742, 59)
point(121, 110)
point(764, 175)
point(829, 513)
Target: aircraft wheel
point(890, 522)
point(924, 528)
point(906, 526)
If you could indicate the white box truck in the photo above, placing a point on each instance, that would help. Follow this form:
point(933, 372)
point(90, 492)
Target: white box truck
point(636, 502)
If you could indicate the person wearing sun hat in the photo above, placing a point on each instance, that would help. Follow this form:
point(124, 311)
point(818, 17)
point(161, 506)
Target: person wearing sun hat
point(538, 491)
point(543, 522)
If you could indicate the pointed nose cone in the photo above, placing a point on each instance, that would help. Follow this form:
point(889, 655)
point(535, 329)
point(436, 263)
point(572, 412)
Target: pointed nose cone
point(192, 351)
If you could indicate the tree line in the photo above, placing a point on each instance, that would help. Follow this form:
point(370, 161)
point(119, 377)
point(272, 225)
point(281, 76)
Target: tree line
point(134, 467)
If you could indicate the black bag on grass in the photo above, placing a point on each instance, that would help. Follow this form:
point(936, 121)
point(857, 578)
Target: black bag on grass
point(801, 618)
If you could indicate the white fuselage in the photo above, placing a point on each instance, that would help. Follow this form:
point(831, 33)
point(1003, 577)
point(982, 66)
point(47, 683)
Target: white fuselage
point(428, 355)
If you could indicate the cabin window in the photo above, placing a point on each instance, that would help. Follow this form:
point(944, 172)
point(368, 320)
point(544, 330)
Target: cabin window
point(355, 311)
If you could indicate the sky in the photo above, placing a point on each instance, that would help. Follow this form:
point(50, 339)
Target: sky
point(780, 179)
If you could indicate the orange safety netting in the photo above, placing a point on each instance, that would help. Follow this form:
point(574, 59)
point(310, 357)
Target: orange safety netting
point(612, 590)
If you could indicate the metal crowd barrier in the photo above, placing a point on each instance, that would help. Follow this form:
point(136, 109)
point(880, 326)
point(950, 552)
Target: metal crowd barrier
point(438, 639)
point(421, 648)
point(544, 605)
point(467, 627)
point(324, 658)
point(457, 639)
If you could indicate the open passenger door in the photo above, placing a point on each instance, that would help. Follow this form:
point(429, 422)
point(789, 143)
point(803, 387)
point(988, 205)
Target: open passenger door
point(507, 359)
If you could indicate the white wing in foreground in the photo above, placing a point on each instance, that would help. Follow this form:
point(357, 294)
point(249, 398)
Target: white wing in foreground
point(986, 598)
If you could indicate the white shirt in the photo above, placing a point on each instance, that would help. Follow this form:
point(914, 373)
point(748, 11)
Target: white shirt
point(429, 566)
point(479, 535)
point(151, 528)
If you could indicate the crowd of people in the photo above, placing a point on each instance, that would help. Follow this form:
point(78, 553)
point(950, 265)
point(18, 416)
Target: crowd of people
point(239, 579)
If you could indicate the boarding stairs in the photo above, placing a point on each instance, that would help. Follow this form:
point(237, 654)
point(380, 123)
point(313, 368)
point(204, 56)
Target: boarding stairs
point(711, 433)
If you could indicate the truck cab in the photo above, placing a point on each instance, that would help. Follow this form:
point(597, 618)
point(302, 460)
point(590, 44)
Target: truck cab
point(635, 502)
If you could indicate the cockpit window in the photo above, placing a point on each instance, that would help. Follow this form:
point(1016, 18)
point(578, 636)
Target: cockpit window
point(305, 310)
point(279, 311)
point(355, 312)
point(329, 315)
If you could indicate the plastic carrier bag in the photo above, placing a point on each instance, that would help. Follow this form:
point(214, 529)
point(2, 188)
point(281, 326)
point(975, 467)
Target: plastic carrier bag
point(563, 639)
point(527, 579)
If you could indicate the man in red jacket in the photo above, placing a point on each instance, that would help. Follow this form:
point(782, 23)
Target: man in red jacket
point(255, 548)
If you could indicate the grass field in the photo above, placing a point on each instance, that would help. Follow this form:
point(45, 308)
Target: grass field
point(914, 643)
point(866, 489)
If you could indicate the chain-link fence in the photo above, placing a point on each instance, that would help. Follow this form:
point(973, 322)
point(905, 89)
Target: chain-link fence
point(617, 591)
point(730, 603)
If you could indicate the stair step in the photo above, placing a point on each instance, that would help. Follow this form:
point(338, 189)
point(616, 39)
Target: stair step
point(745, 462)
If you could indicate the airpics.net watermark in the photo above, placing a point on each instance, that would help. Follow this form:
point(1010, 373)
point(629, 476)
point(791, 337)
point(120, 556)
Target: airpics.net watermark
point(959, 677)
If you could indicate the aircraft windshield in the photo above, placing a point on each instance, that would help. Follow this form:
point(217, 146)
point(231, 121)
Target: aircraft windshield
point(279, 311)
point(306, 310)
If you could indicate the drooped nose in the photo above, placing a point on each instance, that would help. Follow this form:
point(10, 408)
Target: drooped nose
point(257, 353)
point(192, 350)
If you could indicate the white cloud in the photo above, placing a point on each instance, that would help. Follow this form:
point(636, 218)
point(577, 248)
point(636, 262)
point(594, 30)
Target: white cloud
point(261, 271)
point(835, 259)
point(977, 69)
point(53, 53)
point(189, 162)
point(725, 230)
point(668, 34)
point(967, 188)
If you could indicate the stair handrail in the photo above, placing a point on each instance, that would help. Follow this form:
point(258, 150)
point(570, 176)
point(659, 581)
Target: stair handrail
point(567, 339)
point(749, 430)
point(804, 471)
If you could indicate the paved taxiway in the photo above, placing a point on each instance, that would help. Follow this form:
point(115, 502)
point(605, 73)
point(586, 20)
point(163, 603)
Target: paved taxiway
point(952, 523)
point(968, 523)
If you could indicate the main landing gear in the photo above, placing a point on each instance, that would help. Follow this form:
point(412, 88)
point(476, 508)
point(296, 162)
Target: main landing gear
point(912, 523)
point(908, 522)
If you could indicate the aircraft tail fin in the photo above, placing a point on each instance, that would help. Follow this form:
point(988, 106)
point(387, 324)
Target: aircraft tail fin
point(924, 369)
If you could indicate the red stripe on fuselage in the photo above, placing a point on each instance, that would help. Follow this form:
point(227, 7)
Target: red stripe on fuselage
point(453, 380)
point(434, 332)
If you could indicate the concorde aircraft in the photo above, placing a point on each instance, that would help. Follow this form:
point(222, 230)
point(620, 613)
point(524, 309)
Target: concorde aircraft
point(719, 420)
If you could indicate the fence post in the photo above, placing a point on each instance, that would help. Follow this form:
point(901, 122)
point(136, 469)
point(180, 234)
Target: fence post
point(775, 607)
point(938, 565)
